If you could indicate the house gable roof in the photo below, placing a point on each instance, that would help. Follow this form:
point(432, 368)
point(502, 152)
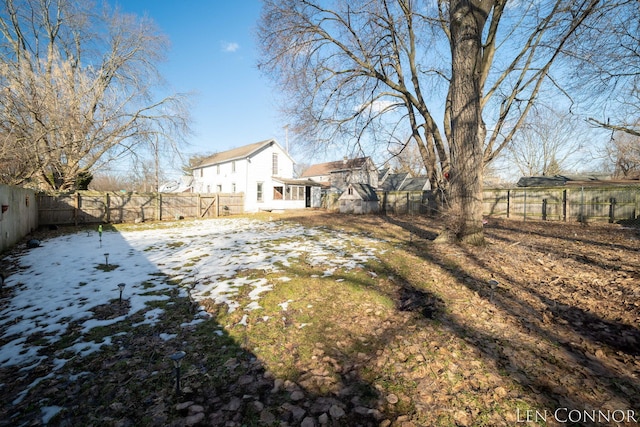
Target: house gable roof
point(383, 174)
point(394, 181)
point(417, 183)
point(322, 169)
point(238, 153)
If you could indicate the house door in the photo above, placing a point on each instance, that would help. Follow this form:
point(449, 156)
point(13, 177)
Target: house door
point(307, 197)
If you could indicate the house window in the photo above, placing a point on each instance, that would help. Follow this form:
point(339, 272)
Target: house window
point(350, 191)
point(233, 167)
point(208, 189)
point(295, 192)
point(219, 188)
point(259, 191)
point(233, 187)
point(218, 169)
point(277, 193)
point(200, 172)
point(274, 164)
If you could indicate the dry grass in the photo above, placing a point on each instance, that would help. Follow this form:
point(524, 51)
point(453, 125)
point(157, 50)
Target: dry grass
point(417, 337)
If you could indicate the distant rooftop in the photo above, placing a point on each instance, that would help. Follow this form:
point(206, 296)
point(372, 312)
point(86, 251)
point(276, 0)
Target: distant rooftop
point(322, 169)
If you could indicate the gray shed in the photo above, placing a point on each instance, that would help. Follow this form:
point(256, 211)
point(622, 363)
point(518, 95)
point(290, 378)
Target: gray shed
point(359, 199)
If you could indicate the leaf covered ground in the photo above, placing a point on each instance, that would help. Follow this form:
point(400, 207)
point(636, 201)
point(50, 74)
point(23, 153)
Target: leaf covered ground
point(415, 336)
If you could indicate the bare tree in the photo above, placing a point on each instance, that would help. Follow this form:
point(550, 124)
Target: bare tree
point(362, 69)
point(611, 62)
point(623, 154)
point(78, 91)
point(405, 157)
point(548, 143)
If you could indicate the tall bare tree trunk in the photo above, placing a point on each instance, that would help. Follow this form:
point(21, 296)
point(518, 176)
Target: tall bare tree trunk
point(467, 127)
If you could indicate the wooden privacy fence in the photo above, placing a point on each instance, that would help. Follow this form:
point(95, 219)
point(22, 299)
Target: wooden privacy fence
point(406, 202)
point(94, 207)
point(572, 203)
point(603, 203)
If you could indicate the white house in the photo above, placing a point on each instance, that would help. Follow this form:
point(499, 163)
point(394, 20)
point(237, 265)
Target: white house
point(262, 171)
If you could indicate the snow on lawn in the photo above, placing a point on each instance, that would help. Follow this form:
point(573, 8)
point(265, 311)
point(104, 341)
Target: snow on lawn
point(65, 278)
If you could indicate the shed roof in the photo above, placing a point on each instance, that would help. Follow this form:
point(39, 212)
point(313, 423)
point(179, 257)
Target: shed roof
point(365, 191)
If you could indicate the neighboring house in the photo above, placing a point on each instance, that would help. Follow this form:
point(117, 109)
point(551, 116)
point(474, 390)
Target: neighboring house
point(336, 176)
point(359, 199)
point(404, 182)
point(392, 181)
point(262, 171)
point(383, 174)
point(417, 183)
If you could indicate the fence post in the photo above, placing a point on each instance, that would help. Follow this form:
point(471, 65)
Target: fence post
point(76, 209)
point(582, 216)
point(408, 203)
point(544, 209)
point(524, 218)
point(107, 207)
point(612, 210)
point(564, 205)
point(158, 206)
point(508, 202)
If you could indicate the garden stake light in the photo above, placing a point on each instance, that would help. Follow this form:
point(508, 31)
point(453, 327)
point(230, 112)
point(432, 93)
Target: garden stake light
point(100, 234)
point(493, 283)
point(121, 287)
point(106, 260)
point(177, 359)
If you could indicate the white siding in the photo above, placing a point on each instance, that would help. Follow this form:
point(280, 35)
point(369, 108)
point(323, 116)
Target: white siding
point(258, 167)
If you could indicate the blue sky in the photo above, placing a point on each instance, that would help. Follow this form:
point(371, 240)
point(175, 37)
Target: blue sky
point(213, 54)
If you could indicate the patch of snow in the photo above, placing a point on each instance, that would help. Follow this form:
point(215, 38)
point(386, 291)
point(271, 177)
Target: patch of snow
point(63, 282)
point(48, 412)
point(285, 305)
point(243, 321)
point(253, 306)
point(167, 337)
point(192, 323)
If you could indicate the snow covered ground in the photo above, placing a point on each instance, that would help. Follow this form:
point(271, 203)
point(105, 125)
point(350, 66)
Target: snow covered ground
point(66, 277)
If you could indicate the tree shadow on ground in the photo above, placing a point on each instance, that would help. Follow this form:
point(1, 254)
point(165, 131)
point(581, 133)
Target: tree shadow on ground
point(600, 354)
point(421, 359)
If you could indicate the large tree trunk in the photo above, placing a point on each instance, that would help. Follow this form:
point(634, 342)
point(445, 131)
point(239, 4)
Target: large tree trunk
point(467, 127)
